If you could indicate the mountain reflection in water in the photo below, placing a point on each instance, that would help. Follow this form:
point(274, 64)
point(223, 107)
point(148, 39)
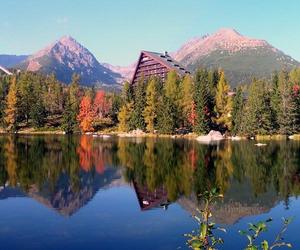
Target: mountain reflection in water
point(65, 173)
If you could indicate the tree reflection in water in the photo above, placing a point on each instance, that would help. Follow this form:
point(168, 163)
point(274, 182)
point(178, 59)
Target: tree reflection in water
point(65, 172)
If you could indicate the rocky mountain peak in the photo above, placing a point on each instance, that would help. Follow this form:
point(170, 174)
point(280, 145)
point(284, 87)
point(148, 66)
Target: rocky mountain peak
point(224, 39)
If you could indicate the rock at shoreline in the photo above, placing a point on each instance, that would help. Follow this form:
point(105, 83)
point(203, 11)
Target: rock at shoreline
point(212, 136)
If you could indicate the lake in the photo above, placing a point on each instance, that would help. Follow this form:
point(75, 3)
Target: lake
point(82, 192)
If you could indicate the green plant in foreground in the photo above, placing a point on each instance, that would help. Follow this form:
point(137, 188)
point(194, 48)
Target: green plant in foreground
point(204, 238)
point(255, 230)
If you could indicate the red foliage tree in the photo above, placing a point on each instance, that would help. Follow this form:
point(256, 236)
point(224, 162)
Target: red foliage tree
point(101, 104)
point(86, 114)
point(84, 151)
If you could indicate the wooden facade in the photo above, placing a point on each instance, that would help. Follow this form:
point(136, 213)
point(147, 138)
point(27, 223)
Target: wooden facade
point(156, 64)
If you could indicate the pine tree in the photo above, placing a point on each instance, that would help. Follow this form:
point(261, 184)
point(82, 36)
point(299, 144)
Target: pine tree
point(11, 110)
point(69, 122)
point(257, 117)
point(202, 123)
point(166, 116)
point(223, 106)
point(137, 119)
point(287, 115)
point(150, 111)
point(237, 111)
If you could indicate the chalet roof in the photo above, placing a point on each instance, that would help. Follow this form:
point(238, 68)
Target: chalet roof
point(168, 61)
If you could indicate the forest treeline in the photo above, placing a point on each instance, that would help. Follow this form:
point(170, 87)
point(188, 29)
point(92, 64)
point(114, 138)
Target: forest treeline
point(195, 103)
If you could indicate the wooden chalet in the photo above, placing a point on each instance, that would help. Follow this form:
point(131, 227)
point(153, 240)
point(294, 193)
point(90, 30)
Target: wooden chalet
point(156, 64)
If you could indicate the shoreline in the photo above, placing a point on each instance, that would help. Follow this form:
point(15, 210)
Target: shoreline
point(277, 137)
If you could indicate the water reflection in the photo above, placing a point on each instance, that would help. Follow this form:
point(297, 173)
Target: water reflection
point(65, 173)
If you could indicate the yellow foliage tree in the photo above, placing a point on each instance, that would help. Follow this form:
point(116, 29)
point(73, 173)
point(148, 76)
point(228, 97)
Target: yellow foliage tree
point(223, 106)
point(11, 106)
point(124, 117)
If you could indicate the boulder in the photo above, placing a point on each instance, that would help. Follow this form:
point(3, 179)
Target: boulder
point(211, 136)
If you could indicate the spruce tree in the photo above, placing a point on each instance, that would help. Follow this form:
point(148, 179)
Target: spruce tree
point(202, 122)
point(166, 116)
point(237, 111)
point(275, 102)
point(127, 93)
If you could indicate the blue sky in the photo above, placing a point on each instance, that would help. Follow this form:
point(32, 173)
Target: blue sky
point(116, 30)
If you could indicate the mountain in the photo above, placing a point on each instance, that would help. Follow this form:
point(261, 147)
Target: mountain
point(125, 72)
point(11, 60)
point(65, 57)
point(241, 58)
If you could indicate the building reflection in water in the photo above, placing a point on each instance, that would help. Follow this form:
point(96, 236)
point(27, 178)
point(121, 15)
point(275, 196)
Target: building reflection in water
point(65, 173)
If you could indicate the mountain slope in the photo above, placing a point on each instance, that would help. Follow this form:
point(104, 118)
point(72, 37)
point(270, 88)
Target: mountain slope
point(67, 56)
point(241, 58)
point(11, 60)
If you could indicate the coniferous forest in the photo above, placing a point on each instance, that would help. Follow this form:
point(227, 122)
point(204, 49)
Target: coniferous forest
point(195, 103)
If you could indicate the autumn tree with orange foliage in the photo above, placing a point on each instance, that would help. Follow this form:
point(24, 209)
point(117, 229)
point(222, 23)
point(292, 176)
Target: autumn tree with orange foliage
point(86, 115)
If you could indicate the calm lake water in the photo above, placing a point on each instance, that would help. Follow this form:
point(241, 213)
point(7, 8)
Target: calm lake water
point(59, 192)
